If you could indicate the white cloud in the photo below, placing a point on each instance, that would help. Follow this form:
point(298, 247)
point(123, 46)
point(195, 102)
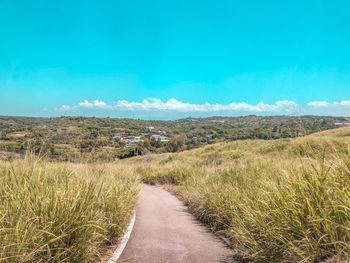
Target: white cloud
point(319, 104)
point(95, 104)
point(154, 104)
point(326, 104)
point(180, 108)
point(345, 103)
point(65, 107)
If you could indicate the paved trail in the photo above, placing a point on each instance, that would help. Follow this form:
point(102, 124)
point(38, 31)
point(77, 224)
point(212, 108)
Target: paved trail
point(165, 232)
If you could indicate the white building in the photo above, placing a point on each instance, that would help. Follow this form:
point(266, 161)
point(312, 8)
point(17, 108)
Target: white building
point(150, 128)
point(159, 138)
point(342, 124)
point(128, 139)
point(135, 139)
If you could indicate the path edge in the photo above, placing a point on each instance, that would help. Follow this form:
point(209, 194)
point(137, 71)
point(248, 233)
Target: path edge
point(119, 250)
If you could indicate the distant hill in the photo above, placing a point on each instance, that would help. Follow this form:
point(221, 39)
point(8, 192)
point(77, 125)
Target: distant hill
point(77, 138)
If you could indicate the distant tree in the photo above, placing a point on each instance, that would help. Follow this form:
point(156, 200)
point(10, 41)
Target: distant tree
point(130, 152)
point(176, 143)
point(147, 144)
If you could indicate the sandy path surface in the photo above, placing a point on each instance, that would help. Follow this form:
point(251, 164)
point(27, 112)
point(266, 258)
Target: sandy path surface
point(166, 232)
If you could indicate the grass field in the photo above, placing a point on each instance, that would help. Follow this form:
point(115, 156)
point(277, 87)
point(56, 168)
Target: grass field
point(277, 201)
point(62, 212)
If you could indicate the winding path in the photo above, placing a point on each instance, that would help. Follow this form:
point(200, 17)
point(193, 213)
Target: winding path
point(166, 232)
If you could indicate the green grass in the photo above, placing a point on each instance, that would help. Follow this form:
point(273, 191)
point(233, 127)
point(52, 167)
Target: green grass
point(62, 212)
point(277, 201)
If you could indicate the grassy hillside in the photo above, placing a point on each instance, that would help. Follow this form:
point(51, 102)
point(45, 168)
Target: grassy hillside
point(62, 212)
point(277, 201)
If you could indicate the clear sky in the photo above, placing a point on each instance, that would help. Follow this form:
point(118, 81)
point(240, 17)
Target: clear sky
point(171, 59)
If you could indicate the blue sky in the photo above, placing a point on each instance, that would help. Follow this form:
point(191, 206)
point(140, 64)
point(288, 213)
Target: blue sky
point(172, 59)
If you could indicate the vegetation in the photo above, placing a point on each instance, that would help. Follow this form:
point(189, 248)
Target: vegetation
point(277, 201)
point(62, 212)
point(90, 139)
point(282, 200)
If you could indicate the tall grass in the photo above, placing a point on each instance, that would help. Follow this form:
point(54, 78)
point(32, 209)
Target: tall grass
point(62, 212)
point(280, 201)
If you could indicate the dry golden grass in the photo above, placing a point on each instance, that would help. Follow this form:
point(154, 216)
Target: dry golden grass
point(62, 212)
point(278, 201)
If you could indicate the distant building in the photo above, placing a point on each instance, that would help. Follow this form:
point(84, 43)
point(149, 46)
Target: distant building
point(129, 145)
point(150, 128)
point(129, 140)
point(121, 137)
point(342, 124)
point(159, 138)
point(135, 139)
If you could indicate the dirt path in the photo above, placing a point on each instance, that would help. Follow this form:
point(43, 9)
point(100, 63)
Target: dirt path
point(165, 232)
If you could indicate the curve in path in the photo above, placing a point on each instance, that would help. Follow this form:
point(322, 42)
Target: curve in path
point(166, 232)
